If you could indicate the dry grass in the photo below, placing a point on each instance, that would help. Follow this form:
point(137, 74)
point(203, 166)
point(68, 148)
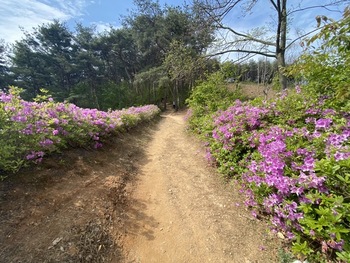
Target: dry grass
point(252, 90)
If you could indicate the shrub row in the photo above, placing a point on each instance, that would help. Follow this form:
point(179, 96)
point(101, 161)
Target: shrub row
point(31, 130)
point(292, 158)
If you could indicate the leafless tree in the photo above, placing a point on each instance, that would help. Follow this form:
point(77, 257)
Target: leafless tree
point(272, 41)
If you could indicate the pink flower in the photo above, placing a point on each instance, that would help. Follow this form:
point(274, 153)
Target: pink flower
point(46, 143)
point(341, 156)
point(323, 123)
point(324, 246)
point(98, 145)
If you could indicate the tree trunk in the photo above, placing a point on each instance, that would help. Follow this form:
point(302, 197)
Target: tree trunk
point(176, 95)
point(281, 64)
point(94, 95)
point(281, 41)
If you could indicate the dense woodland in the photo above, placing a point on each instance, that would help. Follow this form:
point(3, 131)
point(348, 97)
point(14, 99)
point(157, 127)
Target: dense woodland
point(156, 56)
point(153, 56)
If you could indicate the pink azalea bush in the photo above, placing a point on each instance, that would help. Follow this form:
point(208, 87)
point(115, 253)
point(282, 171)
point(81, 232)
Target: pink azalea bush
point(31, 130)
point(292, 158)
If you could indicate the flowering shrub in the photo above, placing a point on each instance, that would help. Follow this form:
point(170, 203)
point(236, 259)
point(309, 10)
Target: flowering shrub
point(292, 157)
point(30, 130)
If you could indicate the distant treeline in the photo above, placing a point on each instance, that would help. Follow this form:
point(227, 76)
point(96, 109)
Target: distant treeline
point(260, 71)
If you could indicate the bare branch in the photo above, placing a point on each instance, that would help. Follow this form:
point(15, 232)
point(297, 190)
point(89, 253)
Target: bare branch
point(213, 9)
point(244, 58)
point(306, 34)
point(242, 51)
point(248, 37)
point(319, 6)
point(302, 36)
point(274, 5)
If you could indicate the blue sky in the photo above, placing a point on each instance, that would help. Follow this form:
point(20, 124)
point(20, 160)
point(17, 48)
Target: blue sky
point(103, 13)
point(31, 13)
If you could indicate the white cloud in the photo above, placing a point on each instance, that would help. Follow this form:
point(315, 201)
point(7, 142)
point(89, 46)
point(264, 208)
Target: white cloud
point(102, 27)
point(31, 13)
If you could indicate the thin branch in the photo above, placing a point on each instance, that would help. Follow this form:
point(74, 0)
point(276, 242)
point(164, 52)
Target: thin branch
point(228, 10)
point(226, 7)
point(302, 36)
point(318, 6)
point(306, 34)
point(274, 5)
point(242, 51)
point(244, 58)
point(218, 19)
point(268, 43)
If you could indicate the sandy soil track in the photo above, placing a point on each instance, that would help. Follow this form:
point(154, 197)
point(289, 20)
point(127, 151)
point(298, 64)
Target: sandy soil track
point(182, 212)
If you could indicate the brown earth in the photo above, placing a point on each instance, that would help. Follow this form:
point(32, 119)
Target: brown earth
point(252, 90)
point(147, 196)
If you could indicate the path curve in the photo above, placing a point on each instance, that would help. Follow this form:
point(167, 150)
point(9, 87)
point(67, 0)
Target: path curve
point(181, 211)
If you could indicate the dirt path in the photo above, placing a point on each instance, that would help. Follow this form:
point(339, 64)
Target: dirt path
point(182, 212)
point(146, 196)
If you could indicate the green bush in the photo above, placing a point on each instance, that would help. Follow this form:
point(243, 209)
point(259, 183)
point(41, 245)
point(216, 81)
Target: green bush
point(208, 97)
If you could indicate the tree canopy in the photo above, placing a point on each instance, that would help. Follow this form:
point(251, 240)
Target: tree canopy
point(129, 63)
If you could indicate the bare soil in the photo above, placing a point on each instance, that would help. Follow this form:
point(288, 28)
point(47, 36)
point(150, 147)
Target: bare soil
point(147, 196)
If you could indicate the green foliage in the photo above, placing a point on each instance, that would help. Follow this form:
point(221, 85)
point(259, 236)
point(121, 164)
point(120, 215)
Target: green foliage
point(301, 248)
point(5, 79)
point(285, 256)
point(330, 219)
point(116, 96)
point(12, 143)
point(207, 98)
point(327, 216)
point(230, 70)
point(326, 71)
point(43, 96)
point(344, 256)
point(130, 120)
point(326, 67)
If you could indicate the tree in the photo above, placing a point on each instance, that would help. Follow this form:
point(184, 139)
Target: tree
point(259, 40)
point(29, 68)
point(155, 28)
point(120, 54)
point(165, 38)
point(146, 84)
point(44, 59)
point(4, 69)
point(89, 65)
point(181, 64)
